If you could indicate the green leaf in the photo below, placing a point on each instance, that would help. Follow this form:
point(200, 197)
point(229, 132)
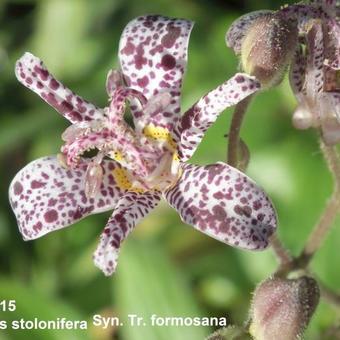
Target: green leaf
point(14, 130)
point(147, 283)
point(54, 20)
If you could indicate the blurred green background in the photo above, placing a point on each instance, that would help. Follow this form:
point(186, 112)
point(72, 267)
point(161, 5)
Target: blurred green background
point(165, 267)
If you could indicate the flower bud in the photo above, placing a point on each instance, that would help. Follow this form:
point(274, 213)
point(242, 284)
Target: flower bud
point(267, 48)
point(282, 308)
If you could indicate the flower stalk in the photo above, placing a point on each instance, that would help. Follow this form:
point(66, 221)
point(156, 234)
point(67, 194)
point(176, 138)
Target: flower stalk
point(331, 210)
point(281, 252)
point(234, 132)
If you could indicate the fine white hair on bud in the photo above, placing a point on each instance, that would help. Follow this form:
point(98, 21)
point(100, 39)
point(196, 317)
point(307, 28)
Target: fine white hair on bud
point(282, 308)
point(268, 47)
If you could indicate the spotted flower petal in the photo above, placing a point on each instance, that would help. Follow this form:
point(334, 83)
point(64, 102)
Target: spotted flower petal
point(331, 40)
point(326, 4)
point(131, 208)
point(225, 204)
point(203, 114)
point(329, 104)
point(32, 73)
point(297, 72)
point(46, 197)
point(153, 57)
point(315, 60)
point(301, 14)
point(303, 118)
point(239, 29)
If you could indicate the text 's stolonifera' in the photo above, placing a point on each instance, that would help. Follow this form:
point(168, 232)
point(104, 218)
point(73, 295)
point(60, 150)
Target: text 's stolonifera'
point(135, 166)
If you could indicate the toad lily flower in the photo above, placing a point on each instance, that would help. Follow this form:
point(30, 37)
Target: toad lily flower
point(267, 40)
point(134, 167)
point(315, 74)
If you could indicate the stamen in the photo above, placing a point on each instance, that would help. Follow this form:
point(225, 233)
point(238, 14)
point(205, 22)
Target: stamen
point(147, 158)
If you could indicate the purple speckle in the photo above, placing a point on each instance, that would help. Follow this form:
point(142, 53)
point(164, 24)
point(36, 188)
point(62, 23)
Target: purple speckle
point(18, 188)
point(168, 62)
point(51, 216)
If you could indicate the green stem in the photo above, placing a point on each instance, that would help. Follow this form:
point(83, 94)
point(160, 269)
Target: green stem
point(320, 231)
point(234, 131)
point(281, 252)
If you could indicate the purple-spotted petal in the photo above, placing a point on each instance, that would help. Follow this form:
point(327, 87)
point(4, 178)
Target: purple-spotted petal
point(315, 61)
point(46, 197)
point(329, 104)
point(131, 208)
point(153, 57)
point(303, 116)
point(327, 5)
point(324, 2)
point(114, 79)
point(332, 43)
point(239, 29)
point(225, 204)
point(203, 114)
point(330, 129)
point(301, 14)
point(32, 73)
point(297, 72)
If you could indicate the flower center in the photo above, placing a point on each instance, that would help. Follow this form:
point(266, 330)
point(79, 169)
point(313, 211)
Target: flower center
point(148, 157)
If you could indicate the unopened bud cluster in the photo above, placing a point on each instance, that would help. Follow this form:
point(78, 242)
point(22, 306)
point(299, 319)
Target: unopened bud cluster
point(268, 47)
point(282, 308)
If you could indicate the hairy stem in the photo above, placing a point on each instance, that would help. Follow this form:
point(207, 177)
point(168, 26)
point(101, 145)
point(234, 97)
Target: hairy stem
point(320, 231)
point(322, 228)
point(234, 131)
point(281, 252)
point(331, 210)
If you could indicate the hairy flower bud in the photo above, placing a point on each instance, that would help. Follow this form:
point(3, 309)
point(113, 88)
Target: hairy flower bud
point(282, 308)
point(268, 47)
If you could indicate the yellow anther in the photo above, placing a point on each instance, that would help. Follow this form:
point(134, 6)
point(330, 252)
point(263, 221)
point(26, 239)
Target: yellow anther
point(122, 180)
point(175, 157)
point(117, 156)
point(159, 134)
point(138, 190)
